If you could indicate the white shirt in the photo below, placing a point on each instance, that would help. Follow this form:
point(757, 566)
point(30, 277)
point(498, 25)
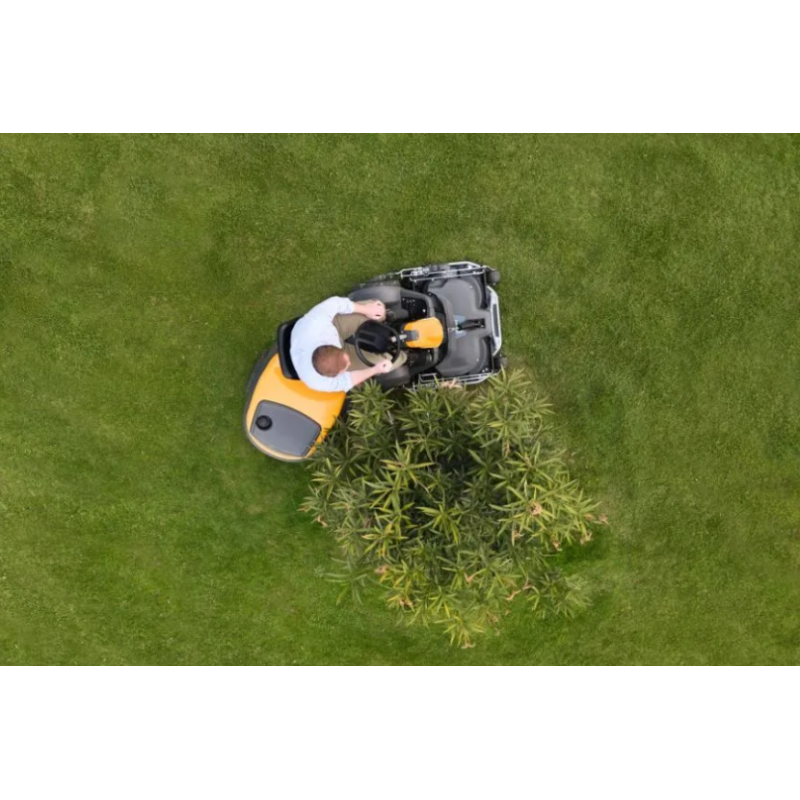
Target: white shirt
point(312, 331)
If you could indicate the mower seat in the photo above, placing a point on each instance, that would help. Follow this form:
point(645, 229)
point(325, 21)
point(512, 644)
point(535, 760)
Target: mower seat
point(284, 347)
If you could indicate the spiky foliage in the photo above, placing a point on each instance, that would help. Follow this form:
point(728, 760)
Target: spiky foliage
point(454, 502)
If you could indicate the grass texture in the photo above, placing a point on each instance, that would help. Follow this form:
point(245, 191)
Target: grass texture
point(650, 286)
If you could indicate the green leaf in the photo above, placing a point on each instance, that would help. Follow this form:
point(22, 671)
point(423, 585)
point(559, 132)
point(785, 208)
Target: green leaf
point(430, 496)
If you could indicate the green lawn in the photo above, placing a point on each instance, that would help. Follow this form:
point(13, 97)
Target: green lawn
point(650, 285)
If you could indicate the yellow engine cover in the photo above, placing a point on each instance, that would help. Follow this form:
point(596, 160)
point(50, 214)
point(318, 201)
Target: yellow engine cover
point(320, 409)
point(431, 332)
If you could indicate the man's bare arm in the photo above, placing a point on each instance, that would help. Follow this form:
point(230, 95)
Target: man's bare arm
point(374, 309)
point(361, 375)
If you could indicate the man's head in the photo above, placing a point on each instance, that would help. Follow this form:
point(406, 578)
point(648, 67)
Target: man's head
point(330, 361)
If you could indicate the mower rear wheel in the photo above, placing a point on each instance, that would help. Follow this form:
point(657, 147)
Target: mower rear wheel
point(493, 277)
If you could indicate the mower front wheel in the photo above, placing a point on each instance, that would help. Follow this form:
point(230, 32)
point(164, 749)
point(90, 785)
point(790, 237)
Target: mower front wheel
point(388, 293)
point(379, 281)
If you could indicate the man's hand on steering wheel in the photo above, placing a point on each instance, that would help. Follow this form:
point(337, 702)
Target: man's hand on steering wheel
point(375, 309)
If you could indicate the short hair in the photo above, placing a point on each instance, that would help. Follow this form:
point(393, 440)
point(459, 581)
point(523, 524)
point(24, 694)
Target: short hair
point(328, 360)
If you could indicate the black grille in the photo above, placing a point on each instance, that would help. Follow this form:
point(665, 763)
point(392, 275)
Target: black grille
point(416, 307)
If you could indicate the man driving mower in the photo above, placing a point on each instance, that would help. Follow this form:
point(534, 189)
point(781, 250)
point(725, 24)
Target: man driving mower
point(427, 326)
point(322, 348)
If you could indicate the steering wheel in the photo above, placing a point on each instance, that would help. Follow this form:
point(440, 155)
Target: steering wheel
point(379, 336)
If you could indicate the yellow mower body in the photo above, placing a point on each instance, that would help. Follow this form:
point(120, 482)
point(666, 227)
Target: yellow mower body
point(284, 418)
point(430, 333)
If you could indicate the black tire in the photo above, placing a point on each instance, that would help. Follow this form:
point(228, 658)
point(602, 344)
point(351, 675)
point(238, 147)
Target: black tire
point(493, 277)
point(502, 363)
point(397, 377)
point(379, 281)
point(389, 294)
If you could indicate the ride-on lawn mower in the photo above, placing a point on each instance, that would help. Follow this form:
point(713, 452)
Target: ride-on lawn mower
point(444, 317)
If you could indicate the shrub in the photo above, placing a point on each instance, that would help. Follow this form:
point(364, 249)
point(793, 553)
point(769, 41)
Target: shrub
point(454, 502)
